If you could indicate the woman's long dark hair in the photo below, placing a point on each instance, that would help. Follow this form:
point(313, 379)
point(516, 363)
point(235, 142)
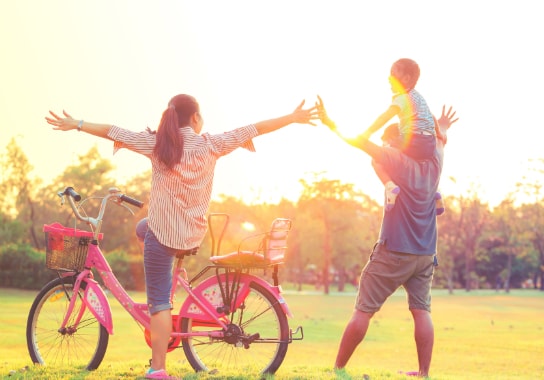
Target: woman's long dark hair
point(169, 145)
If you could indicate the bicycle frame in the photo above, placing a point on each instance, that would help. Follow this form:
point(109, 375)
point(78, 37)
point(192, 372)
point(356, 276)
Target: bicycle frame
point(221, 318)
point(199, 304)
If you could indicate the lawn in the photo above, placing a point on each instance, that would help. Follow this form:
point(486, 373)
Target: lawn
point(479, 335)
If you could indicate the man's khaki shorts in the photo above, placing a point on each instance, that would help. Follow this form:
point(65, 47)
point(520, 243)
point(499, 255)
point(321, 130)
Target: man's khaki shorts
point(386, 271)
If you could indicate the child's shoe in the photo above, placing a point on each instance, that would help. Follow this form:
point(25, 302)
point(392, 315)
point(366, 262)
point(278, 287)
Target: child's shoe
point(440, 208)
point(391, 192)
point(159, 374)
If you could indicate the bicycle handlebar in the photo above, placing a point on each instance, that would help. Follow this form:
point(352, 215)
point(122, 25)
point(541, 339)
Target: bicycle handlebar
point(132, 201)
point(71, 192)
point(114, 195)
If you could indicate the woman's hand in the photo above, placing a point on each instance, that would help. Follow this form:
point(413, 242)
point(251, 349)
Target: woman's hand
point(303, 116)
point(66, 123)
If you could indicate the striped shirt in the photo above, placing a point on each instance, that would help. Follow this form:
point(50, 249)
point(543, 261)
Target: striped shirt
point(180, 197)
point(415, 115)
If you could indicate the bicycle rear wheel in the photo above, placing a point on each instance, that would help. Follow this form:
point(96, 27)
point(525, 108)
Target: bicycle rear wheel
point(257, 340)
point(83, 345)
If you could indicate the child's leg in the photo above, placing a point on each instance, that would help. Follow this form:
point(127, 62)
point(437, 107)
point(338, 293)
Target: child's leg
point(391, 188)
point(440, 208)
point(422, 147)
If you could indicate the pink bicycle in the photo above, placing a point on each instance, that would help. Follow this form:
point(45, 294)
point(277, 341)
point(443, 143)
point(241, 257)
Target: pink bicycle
point(230, 320)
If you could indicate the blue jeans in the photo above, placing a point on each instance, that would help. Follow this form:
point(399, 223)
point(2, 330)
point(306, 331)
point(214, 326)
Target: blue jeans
point(158, 263)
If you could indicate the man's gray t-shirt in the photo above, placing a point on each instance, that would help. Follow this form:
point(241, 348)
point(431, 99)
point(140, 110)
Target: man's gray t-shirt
point(410, 226)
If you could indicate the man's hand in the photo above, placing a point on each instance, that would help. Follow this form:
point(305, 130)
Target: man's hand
point(322, 113)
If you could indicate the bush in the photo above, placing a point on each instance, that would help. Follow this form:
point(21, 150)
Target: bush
point(21, 266)
point(129, 269)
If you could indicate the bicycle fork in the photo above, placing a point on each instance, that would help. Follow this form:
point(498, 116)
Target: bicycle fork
point(93, 299)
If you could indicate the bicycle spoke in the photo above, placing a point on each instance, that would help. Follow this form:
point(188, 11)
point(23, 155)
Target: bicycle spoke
point(257, 337)
point(83, 345)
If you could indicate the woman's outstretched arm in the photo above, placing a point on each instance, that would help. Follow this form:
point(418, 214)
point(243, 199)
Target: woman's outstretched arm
point(68, 123)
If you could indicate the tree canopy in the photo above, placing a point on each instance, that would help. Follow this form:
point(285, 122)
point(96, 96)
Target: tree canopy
point(334, 225)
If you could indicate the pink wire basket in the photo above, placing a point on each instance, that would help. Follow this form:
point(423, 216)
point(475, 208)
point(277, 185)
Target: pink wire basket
point(66, 248)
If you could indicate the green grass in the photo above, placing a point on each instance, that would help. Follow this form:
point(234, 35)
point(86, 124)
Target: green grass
point(479, 335)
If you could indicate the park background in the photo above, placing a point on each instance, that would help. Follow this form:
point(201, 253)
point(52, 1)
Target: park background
point(120, 62)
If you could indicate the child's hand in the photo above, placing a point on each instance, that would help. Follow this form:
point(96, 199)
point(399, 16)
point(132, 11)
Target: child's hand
point(443, 124)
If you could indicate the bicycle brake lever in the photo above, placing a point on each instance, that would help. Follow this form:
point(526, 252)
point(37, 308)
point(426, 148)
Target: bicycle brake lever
point(119, 202)
point(61, 195)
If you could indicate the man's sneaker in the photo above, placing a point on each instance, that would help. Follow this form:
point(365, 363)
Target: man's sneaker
point(159, 374)
point(391, 193)
point(440, 208)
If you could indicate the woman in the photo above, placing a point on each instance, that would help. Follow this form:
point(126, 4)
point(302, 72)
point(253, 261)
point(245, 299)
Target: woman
point(183, 163)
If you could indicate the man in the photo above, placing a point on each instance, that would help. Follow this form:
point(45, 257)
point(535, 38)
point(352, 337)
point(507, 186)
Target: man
point(404, 254)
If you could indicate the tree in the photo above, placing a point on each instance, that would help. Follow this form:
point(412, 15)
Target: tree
point(18, 190)
point(450, 249)
point(90, 176)
point(531, 188)
point(345, 220)
point(531, 225)
point(503, 246)
point(460, 231)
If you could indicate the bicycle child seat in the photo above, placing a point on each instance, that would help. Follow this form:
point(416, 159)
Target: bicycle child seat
point(271, 250)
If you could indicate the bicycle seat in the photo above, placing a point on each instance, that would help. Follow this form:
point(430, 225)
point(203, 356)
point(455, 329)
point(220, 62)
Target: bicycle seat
point(243, 258)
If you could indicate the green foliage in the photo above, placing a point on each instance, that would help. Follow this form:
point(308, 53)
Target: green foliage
point(11, 231)
point(15, 186)
point(334, 226)
point(129, 269)
point(23, 267)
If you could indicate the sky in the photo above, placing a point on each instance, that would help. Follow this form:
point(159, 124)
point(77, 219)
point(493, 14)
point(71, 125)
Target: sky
point(121, 61)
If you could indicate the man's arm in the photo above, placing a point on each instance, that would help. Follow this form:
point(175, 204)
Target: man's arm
point(362, 141)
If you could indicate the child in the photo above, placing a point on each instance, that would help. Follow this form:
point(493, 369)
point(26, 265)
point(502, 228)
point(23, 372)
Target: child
point(417, 125)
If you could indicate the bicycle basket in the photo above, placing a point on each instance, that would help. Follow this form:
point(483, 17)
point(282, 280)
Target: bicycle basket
point(66, 248)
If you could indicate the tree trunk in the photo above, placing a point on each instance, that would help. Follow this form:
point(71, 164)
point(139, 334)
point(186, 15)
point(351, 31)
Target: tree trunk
point(508, 273)
point(327, 256)
point(468, 267)
point(450, 283)
point(342, 279)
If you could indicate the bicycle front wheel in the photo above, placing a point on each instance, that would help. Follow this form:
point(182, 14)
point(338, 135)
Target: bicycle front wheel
point(82, 345)
point(256, 340)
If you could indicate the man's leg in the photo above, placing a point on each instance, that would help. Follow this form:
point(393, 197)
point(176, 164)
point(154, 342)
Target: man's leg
point(424, 337)
point(353, 335)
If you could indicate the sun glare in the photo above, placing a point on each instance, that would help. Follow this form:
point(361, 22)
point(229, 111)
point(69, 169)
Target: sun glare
point(248, 226)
